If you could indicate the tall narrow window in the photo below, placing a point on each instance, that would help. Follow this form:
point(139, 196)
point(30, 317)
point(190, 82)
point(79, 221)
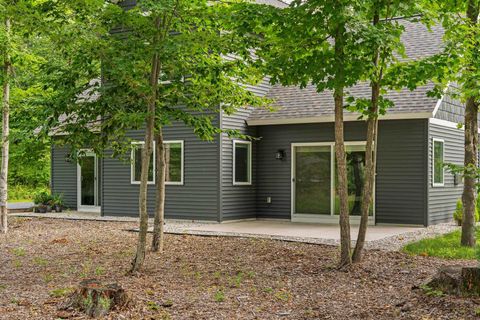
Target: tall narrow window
point(438, 159)
point(136, 163)
point(242, 163)
point(174, 162)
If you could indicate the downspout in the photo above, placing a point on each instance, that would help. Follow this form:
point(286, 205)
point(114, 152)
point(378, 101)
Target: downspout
point(220, 167)
point(427, 174)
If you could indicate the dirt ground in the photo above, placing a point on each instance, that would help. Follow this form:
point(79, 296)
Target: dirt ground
point(212, 277)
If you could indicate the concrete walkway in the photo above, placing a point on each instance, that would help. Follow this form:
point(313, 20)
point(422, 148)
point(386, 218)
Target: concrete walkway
point(19, 205)
point(378, 237)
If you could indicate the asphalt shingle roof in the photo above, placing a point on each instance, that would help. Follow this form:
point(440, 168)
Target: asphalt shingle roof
point(295, 103)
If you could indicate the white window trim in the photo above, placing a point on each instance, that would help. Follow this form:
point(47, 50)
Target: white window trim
point(182, 163)
point(249, 143)
point(80, 207)
point(437, 184)
point(132, 163)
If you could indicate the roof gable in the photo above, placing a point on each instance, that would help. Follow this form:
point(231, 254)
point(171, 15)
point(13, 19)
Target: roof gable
point(292, 103)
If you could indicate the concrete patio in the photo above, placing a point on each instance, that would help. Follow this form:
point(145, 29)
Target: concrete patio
point(301, 230)
point(378, 237)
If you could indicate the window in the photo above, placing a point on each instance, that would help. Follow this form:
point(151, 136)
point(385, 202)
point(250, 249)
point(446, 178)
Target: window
point(174, 162)
point(136, 163)
point(242, 163)
point(437, 166)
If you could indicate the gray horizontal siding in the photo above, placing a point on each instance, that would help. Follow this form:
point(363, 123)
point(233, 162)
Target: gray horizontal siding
point(450, 109)
point(64, 175)
point(197, 199)
point(239, 202)
point(401, 179)
point(442, 200)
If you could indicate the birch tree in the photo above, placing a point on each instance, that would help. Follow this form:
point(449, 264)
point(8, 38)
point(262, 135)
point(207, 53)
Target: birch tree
point(16, 20)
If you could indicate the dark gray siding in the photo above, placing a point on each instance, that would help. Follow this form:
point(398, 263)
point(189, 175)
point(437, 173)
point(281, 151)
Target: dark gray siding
point(451, 110)
point(442, 200)
point(64, 175)
point(401, 190)
point(197, 199)
point(238, 202)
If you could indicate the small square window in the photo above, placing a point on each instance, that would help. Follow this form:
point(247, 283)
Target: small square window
point(438, 161)
point(242, 163)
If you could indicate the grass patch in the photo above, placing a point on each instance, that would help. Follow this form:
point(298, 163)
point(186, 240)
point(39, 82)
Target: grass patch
point(446, 246)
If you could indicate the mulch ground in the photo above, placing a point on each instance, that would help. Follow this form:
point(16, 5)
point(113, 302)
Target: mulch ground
point(212, 277)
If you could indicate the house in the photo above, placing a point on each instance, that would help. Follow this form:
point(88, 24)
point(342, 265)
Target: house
point(289, 172)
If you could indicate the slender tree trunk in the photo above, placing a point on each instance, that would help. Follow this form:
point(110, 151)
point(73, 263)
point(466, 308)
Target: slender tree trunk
point(369, 180)
point(139, 259)
point(471, 151)
point(370, 155)
point(5, 137)
point(345, 245)
point(159, 221)
point(469, 186)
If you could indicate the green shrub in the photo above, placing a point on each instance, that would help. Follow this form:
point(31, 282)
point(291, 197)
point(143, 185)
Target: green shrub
point(458, 213)
point(24, 192)
point(42, 197)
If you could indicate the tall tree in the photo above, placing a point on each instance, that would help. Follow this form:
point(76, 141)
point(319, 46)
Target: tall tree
point(469, 195)
point(381, 39)
point(459, 64)
point(6, 77)
point(315, 42)
point(15, 39)
point(165, 64)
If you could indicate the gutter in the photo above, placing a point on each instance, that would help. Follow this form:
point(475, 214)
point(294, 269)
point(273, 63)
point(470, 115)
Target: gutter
point(331, 118)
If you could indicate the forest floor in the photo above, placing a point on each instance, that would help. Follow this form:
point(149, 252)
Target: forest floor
point(41, 260)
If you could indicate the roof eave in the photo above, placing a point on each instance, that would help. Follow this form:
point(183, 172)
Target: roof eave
point(331, 118)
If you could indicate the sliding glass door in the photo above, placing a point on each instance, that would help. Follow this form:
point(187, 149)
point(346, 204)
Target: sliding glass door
point(314, 179)
point(355, 179)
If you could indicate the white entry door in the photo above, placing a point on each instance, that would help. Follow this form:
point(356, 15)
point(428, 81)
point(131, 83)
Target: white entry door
point(87, 186)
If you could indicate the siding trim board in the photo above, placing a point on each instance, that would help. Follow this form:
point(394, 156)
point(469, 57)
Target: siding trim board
point(331, 118)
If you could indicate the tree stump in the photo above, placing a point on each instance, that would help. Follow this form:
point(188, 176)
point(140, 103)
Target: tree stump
point(456, 280)
point(95, 299)
point(448, 279)
point(471, 281)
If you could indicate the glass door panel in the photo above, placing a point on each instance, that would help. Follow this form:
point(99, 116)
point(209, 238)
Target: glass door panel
point(87, 180)
point(355, 180)
point(313, 180)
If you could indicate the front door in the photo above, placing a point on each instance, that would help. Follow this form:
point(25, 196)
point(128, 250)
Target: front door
point(87, 182)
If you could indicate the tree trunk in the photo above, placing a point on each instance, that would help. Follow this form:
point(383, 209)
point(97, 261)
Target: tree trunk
point(137, 262)
point(469, 186)
point(158, 224)
point(345, 240)
point(471, 151)
point(5, 137)
point(370, 155)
